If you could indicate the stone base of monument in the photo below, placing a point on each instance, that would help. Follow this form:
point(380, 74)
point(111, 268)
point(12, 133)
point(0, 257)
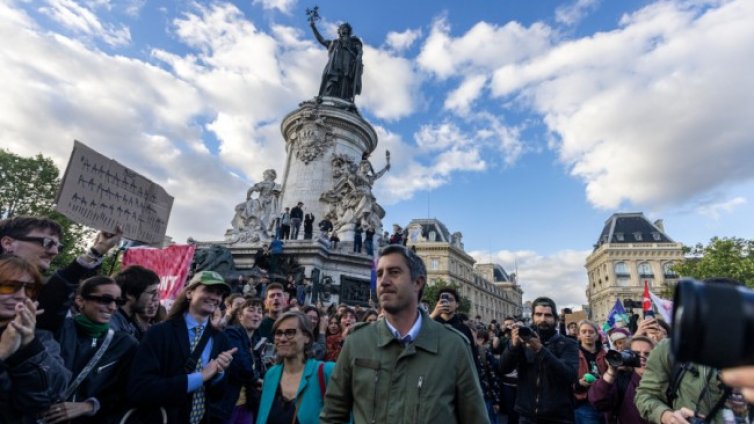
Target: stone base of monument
point(339, 275)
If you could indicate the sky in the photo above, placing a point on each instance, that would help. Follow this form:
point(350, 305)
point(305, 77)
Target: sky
point(522, 124)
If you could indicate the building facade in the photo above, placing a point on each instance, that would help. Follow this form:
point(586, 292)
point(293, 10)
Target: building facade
point(630, 250)
point(492, 292)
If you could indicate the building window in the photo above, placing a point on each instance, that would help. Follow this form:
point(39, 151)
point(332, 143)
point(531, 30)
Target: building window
point(645, 270)
point(637, 236)
point(619, 236)
point(656, 236)
point(667, 271)
point(622, 275)
point(435, 263)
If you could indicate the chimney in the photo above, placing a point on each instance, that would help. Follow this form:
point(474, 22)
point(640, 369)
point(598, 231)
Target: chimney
point(660, 224)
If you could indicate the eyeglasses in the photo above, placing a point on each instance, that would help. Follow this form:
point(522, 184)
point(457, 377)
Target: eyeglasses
point(45, 242)
point(13, 286)
point(106, 300)
point(289, 333)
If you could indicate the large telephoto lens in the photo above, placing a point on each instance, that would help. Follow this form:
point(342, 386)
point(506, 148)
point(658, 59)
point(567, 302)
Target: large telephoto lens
point(713, 324)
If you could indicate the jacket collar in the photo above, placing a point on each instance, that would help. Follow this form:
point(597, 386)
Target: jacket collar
point(428, 338)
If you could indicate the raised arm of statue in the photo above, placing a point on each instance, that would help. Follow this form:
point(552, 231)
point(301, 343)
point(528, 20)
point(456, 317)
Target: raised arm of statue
point(317, 35)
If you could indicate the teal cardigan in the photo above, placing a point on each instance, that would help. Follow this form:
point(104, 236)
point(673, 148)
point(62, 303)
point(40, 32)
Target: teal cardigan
point(308, 393)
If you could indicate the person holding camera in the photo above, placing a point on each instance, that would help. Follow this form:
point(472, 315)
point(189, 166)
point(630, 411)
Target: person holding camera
point(445, 313)
point(547, 365)
point(614, 393)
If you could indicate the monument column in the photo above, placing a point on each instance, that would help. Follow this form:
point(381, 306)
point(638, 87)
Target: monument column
point(315, 134)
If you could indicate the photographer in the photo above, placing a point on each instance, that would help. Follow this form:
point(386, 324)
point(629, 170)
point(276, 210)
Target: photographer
point(547, 365)
point(445, 313)
point(614, 393)
point(675, 392)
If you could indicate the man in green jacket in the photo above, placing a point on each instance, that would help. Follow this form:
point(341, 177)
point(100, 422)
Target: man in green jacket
point(698, 391)
point(405, 368)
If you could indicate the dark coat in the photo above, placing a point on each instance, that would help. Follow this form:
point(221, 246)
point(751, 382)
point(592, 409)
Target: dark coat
point(107, 381)
point(244, 371)
point(158, 377)
point(545, 379)
point(607, 398)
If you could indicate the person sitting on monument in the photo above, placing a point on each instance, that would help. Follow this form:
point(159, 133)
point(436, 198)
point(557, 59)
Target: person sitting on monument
point(334, 239)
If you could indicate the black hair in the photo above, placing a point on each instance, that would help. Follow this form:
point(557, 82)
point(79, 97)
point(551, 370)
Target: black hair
point(545, 301)
point(134, 280)
point(86, 288)
point(451, 291)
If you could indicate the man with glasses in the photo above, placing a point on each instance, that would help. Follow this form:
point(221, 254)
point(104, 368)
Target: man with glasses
point(139, 286)
point(614, 392)
point(406, 367)
point(37, 239)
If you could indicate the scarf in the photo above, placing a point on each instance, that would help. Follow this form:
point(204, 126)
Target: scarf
point(91, 328)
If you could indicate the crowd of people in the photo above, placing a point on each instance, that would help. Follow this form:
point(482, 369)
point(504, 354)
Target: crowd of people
point(82, 347)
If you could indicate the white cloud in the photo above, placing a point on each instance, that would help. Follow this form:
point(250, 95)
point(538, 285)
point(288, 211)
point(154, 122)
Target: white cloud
point(400, 41)
point(638, 113)
point(461, 99)
point(284, 6)
point(481, 49)
point(560, 276)
point(391, 85)
point(573, 13)
point(440, 137)
point(715, 210)
point(82, 20)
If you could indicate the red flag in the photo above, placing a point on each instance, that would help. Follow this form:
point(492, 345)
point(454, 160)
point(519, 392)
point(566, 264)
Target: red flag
point(171, 264)
point(647, 301)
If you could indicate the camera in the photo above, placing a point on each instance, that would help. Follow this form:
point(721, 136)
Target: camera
point(626, 358)
point(713, 323)
point(525, 333)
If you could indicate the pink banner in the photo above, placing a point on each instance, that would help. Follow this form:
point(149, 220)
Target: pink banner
point(171, 264)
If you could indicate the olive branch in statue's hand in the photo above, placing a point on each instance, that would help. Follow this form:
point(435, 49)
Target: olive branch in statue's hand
point(313, 14)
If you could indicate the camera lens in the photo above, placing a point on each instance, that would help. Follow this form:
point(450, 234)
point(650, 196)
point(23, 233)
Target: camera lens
point(713, 324)
point(625, 358)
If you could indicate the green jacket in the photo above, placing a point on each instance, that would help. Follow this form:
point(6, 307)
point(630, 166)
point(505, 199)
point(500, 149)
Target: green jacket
point(650, 395)
point(431, 380)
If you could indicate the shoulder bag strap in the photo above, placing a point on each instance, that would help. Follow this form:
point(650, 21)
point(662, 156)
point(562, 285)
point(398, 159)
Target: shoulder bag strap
point(89, 366)
point(192, 360)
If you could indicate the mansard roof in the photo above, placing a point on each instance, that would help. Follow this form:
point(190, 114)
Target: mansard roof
point(631, 228)
point(432, 224)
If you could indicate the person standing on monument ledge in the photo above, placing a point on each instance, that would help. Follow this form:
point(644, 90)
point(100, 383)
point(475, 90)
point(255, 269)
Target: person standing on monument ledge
point(297, 215)
point(405, 367)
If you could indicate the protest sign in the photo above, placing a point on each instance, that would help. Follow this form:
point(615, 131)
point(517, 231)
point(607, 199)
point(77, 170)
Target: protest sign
point(171, 264)
point(101, 193)
point(576, 316)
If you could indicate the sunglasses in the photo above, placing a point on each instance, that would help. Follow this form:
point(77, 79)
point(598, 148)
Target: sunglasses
point(13, 286)
point(288, 334)
point(106, 300)
point(45, 242)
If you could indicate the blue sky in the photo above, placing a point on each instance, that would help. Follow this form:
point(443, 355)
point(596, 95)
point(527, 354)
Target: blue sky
point(522, 124)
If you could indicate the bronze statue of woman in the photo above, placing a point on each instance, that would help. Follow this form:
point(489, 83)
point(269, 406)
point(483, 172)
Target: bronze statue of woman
point(342, 75)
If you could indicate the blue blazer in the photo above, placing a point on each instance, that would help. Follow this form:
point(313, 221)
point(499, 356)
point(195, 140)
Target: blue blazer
point(308, 393)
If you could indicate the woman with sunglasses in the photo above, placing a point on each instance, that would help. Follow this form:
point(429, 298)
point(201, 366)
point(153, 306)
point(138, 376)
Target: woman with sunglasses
point(293, 390)
point(24, 351)
point(98, 357)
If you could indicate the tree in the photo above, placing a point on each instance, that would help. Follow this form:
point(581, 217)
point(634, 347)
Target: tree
point(431, 295)
point(722, 257)
point(28, 186)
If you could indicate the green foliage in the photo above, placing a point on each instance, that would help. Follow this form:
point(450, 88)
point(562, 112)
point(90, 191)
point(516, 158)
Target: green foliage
point(722, 257)
point(28, 186)
point(431, 295)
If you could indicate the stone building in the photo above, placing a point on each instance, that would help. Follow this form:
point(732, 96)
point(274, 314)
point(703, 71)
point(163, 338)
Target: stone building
point(492, 292)
point(630, 250)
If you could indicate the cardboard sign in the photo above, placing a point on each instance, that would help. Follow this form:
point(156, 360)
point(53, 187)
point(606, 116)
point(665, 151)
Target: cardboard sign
point(575, 317)
point(101, 193)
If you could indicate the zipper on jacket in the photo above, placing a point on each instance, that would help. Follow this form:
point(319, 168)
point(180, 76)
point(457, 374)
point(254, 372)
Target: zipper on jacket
point(374, 398)
point(418, 398)
point(536, 400)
